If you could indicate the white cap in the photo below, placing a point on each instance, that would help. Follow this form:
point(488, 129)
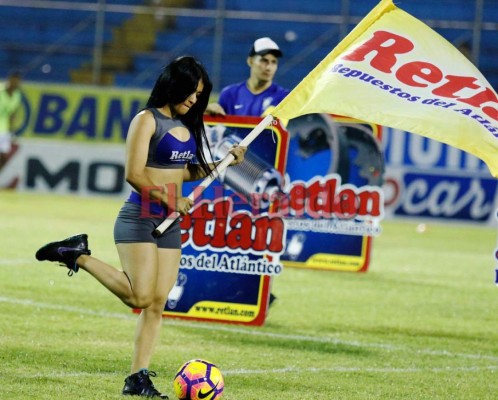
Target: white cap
point(265, 45)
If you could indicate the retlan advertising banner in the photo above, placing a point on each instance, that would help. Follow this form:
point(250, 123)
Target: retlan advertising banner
point(306, 196)
point(232, 240)
point(334, 174)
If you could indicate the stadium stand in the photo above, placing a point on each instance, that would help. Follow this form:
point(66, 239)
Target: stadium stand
point(44, 50)
point(57, 44)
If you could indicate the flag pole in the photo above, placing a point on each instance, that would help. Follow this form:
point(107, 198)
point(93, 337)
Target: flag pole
point(161, 228)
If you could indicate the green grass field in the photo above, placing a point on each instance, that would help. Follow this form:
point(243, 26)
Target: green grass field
point(422, 323)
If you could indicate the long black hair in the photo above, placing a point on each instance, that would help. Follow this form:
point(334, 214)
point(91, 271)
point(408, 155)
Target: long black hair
point(178, 80)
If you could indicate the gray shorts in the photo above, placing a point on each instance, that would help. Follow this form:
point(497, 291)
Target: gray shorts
point(132, 226)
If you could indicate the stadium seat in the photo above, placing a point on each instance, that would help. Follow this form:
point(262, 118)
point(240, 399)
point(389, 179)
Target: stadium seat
point(450, 10)
point(490, 12)
point(127, 2)
point(310, 6)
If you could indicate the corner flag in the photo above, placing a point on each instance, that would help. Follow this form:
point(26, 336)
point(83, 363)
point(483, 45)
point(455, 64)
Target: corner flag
point(394, 70)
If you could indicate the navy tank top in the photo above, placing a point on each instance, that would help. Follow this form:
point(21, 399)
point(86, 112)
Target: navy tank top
point(165, 150)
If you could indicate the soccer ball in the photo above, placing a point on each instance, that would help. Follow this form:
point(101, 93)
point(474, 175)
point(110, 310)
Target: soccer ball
point(198, 380)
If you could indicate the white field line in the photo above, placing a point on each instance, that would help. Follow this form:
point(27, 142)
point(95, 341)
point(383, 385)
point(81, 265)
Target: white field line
point(361, 370)
point(254, 332)
point(62, 374)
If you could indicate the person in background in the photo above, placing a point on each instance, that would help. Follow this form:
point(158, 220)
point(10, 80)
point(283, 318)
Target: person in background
point(165, 147)
point(257, 95)
point(10, 101)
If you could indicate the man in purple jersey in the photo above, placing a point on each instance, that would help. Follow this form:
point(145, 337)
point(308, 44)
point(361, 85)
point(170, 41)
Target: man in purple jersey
point(258, 94)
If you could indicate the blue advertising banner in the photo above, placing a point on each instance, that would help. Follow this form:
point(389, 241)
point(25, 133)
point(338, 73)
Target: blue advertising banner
point(338, 161)
point(231, 239)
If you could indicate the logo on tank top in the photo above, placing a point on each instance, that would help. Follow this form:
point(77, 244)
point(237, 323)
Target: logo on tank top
point(181, 155)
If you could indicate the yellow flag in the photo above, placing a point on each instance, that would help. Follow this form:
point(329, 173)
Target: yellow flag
point(394, 70)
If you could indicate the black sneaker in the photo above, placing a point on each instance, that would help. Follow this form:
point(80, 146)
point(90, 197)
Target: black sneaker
point(65, 252)
point(139, 384)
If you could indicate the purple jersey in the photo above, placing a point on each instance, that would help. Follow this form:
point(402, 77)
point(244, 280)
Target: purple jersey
point(237, 99)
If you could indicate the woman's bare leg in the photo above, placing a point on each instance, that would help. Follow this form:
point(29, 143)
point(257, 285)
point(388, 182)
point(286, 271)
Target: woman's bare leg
point(150, 320)
point(135, 284)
